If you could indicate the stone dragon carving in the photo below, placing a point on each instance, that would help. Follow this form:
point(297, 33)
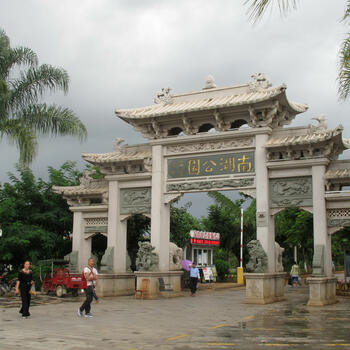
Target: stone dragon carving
point(259, 81)
point(164, 96)
point(322, 124)
point(289, 192)
point(211, 146)
point(202, 185)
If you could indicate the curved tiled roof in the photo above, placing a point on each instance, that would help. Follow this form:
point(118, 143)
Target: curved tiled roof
point(308, 137)
point(126, 153)
point(337, 173)
point(78, 190)
point(208, 103)
point(115, 156)
point(86, 187)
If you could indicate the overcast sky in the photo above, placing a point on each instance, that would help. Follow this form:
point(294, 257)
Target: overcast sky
point(120, 53)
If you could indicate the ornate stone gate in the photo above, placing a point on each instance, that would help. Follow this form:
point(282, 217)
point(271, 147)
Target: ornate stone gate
point(214, 139)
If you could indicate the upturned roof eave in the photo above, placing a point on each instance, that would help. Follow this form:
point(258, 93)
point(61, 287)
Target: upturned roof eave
point(129, 115)
point(336, 136)
point(72, 191)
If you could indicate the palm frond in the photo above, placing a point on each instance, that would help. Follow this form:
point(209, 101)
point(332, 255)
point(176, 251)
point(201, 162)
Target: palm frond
point(347, 11)
point(4, 39)
point(344, 69)
point(222, 200)
point(23, 55)
point(22, 136)
point(54, 120)
point(4, 94)
point(258, 8)
point(34, 82)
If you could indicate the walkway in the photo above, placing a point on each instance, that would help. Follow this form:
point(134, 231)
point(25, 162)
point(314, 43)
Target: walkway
point(215, 319)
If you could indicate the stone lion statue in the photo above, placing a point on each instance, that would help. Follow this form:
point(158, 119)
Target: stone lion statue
point(257, 257)
point(147, 259)
point(175, 257)
point(278, 257)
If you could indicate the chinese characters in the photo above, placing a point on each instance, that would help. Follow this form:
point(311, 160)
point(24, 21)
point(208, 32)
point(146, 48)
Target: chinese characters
point(232, 163)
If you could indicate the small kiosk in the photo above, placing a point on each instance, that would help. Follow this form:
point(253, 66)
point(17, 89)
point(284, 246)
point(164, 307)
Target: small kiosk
point(201, 247)
point(200, 250)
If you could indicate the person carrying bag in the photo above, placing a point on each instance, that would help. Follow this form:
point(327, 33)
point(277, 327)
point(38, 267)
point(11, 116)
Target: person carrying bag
point(90, 274)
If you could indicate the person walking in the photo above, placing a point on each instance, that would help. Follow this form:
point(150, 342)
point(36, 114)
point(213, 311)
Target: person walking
point(194, 276)
point(295, 274)
point(90, 274)
point(23, 286)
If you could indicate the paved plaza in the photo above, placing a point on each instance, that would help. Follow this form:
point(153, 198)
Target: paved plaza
point(214, 319)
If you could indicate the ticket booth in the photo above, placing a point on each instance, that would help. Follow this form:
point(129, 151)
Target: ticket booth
point(201, 247)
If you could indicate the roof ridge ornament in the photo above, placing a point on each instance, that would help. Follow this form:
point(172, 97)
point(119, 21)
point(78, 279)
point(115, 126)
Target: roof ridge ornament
point(259, 82)
point(164, 96)
point(209, 83)
point(117, 144)
point(322, 125)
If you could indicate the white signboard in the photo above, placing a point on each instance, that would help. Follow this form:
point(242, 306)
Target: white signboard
point(205, 235)
point(206, 274)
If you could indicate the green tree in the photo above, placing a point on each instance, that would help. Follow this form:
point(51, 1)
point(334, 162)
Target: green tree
point(294, 227)
point(22, 117)
point(224, 217)
point(257, 9)
point(181, 223)
point(36, 222)
point(340, 244)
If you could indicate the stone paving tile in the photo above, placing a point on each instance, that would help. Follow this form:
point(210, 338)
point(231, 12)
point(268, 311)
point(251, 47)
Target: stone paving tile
point(212, 320)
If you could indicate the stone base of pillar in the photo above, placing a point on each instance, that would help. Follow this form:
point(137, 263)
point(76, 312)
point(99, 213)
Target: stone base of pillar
point(115, 284)
point(264, 288)
point(322, 291)
point(171, 279)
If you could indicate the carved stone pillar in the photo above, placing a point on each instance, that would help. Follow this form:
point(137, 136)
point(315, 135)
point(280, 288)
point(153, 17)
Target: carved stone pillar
point(160, 212)
point(80, 244)
point(265, 230)
point(321, 236)
point(116, 229)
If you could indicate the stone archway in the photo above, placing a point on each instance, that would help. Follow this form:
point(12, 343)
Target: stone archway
point(182, 156)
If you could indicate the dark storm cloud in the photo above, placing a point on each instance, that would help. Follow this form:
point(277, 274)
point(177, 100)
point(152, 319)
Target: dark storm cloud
point(120, 53)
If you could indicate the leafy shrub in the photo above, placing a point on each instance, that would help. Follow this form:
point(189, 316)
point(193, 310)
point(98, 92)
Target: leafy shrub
point(222, 268)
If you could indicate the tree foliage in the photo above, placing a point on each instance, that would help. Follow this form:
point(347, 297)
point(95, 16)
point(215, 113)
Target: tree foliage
point(23, 117)
point(294, 227)
point(224, 217)
point(36, 222)
point(181, 223)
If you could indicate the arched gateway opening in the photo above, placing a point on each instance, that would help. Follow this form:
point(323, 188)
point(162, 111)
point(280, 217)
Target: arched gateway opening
point(138, 230)
point(280, 166)
point(294, 232)
point(98, 247)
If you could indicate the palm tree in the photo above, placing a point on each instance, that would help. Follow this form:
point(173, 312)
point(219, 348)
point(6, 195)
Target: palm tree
point(22, 83)
point(257, 9)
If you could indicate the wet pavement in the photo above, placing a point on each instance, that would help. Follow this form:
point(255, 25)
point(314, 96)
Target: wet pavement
point(214, 319)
